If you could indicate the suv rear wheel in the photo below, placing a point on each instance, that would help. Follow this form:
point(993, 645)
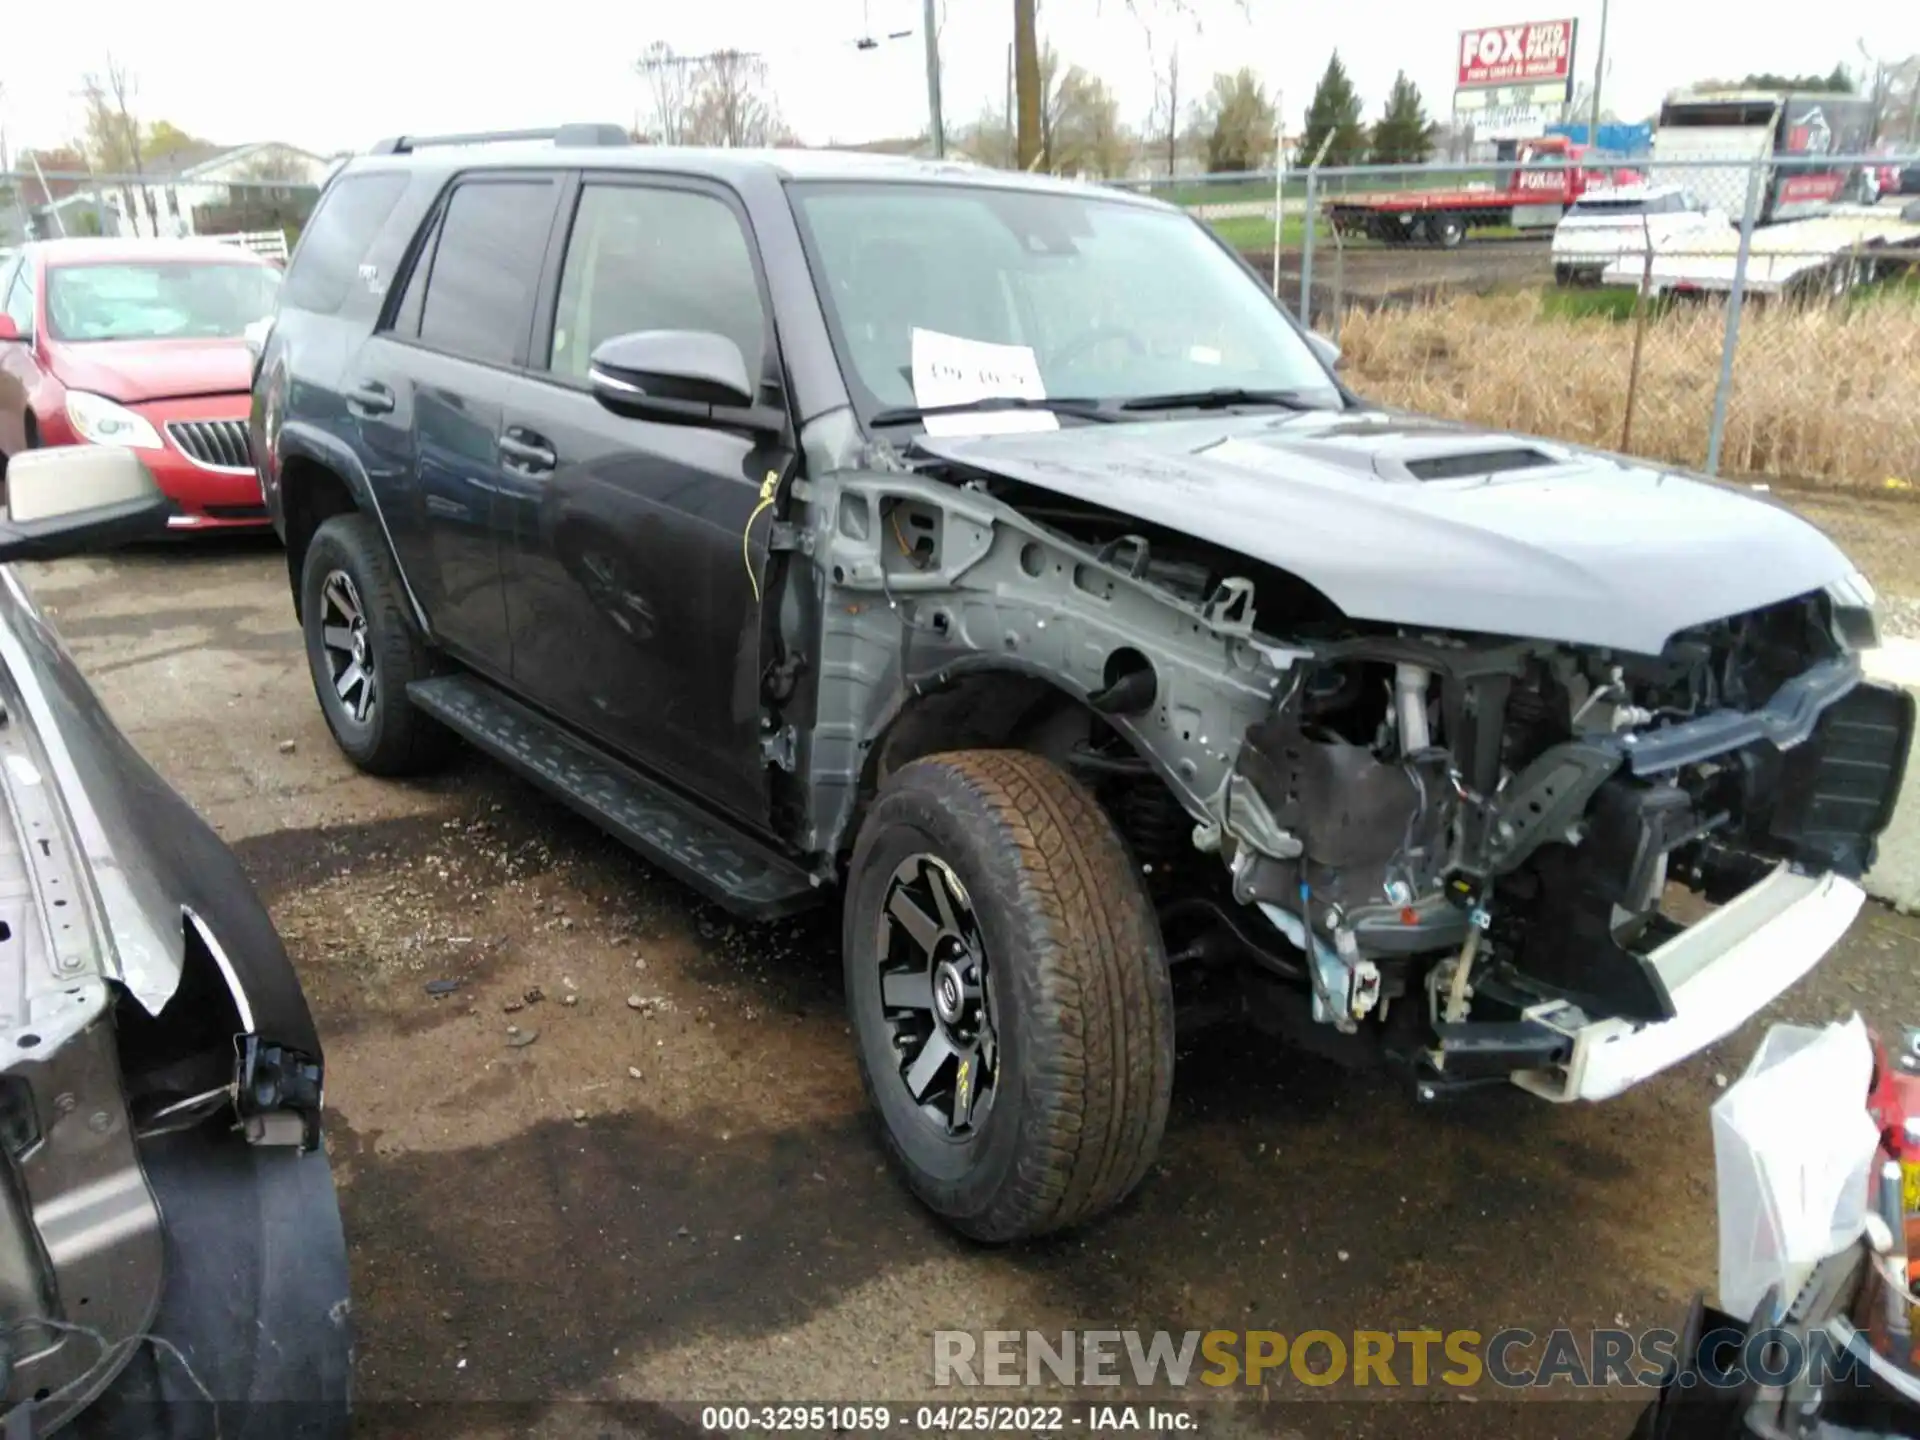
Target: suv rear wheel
point(1009, 993)
point(363, 652)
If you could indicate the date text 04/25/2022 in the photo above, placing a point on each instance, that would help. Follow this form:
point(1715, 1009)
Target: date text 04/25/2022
point(950, 1419)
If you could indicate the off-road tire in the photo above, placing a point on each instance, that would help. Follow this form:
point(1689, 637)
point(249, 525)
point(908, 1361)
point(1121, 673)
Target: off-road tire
point(1078, 976)
point(395, 738)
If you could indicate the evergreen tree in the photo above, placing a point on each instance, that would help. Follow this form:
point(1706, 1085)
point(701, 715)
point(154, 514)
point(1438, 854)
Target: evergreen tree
point(1335, 111)
point(1403, 135)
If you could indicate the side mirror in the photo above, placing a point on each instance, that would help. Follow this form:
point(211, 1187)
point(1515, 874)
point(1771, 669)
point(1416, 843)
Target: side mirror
point(1328, 352)
point(255, 335)
point(9, 330)
point(679, 377)
point(77, 498)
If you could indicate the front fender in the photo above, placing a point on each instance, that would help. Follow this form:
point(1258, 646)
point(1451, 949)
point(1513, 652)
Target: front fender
point(155, 866)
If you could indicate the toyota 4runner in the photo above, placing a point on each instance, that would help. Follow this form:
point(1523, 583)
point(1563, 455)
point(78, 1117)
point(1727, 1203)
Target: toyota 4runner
point(996, 557)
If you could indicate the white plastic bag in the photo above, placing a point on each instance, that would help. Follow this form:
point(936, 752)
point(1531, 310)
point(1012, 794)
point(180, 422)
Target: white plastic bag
point(1793, 1148)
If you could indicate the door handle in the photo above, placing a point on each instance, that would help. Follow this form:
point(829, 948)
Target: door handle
point(372, 397)
point(524, 450)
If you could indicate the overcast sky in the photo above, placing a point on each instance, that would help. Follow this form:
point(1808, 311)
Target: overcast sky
point(339, 75)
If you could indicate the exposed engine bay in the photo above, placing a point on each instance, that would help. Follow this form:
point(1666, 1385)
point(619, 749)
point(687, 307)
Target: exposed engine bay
point(1482, 856)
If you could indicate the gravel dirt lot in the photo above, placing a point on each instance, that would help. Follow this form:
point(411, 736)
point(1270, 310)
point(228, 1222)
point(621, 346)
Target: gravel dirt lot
point(671, 1192)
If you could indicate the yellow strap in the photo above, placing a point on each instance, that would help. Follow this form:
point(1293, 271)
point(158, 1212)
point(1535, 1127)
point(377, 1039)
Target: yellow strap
point(767, 487)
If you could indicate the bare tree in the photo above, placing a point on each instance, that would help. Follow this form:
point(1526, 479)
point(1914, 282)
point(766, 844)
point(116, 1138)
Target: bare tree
point(1026, 66)
point(113, 137)
point(1049, 109)
point(733, 105)
point(1081, 123)
point(1901, 120)
point(1163, 121)
point(987, 140)
point(672, 84)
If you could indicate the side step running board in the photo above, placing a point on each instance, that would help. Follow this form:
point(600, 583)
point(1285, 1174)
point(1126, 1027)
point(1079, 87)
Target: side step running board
point(721, 863)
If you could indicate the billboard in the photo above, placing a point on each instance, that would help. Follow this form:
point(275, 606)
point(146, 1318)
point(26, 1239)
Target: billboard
point(1537, 54)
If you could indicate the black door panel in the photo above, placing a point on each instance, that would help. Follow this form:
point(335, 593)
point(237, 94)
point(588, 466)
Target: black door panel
point(431, 407)
point(627, 594)
point(629, 602)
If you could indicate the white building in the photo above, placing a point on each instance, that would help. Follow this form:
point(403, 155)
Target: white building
point(190, 201)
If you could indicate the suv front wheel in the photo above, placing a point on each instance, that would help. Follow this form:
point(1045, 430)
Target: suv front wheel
point(1009, 992)
point(363, 653)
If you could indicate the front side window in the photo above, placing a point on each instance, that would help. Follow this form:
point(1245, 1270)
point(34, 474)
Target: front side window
point(158, 300)
point(641, 258)
point(486, 267)
point(1116, 301)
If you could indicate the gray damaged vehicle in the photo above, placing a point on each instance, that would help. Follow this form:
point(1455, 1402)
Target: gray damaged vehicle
point(171, 1256)
point(996, 557)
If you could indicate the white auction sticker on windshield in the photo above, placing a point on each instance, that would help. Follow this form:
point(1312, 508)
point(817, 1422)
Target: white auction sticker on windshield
point(952, 370)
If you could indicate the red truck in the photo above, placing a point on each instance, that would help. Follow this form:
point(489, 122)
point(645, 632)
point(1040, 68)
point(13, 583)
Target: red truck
point(1545, 177)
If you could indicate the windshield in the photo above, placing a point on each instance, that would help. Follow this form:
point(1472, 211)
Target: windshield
point(1631, 205)
point(158, 300)
point(1109, 300)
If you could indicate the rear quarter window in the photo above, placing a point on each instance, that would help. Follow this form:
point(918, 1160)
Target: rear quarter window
point(338, 237)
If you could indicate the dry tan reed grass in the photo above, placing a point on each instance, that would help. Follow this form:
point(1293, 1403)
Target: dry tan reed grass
point(1823, 394)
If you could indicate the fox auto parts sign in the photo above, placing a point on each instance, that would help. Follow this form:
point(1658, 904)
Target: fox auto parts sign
point(1537, 53)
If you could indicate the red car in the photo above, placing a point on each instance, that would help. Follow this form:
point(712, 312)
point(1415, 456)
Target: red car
point(139, 343)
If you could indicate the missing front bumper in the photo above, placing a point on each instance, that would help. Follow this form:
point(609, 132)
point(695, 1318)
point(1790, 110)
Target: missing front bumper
point(1720, 972)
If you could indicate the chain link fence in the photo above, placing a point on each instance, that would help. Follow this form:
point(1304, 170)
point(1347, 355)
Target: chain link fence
point(1777, 338)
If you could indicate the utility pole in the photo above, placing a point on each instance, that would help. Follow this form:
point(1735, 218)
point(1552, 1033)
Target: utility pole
point(1173, 113)
point(1026, 85)
point(939, 129)
point(1279, 181)
point(1012, 146)
point(57, 218)
point(1599, 74)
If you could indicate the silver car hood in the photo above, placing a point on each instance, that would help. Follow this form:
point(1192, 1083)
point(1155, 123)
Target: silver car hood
point(1578, 547)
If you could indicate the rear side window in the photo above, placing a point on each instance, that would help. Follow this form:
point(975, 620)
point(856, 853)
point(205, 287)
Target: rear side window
point(485, 269)
point(338, 237)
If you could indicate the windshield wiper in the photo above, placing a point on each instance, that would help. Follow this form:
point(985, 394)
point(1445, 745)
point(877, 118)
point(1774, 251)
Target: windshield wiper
point(1219, 398)
point(1080, 409)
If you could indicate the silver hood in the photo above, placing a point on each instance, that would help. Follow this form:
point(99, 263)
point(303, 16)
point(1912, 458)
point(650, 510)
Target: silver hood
point(1570, 545)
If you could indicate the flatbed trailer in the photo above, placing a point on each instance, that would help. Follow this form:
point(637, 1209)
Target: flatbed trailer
point(1434, 217)
point(1546, 178)
point(1827, 254)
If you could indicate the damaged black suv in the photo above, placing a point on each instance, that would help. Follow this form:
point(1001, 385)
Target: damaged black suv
point(995, 557)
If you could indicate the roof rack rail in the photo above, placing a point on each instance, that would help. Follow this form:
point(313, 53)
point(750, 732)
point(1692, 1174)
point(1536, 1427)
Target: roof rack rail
point(584, 135)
